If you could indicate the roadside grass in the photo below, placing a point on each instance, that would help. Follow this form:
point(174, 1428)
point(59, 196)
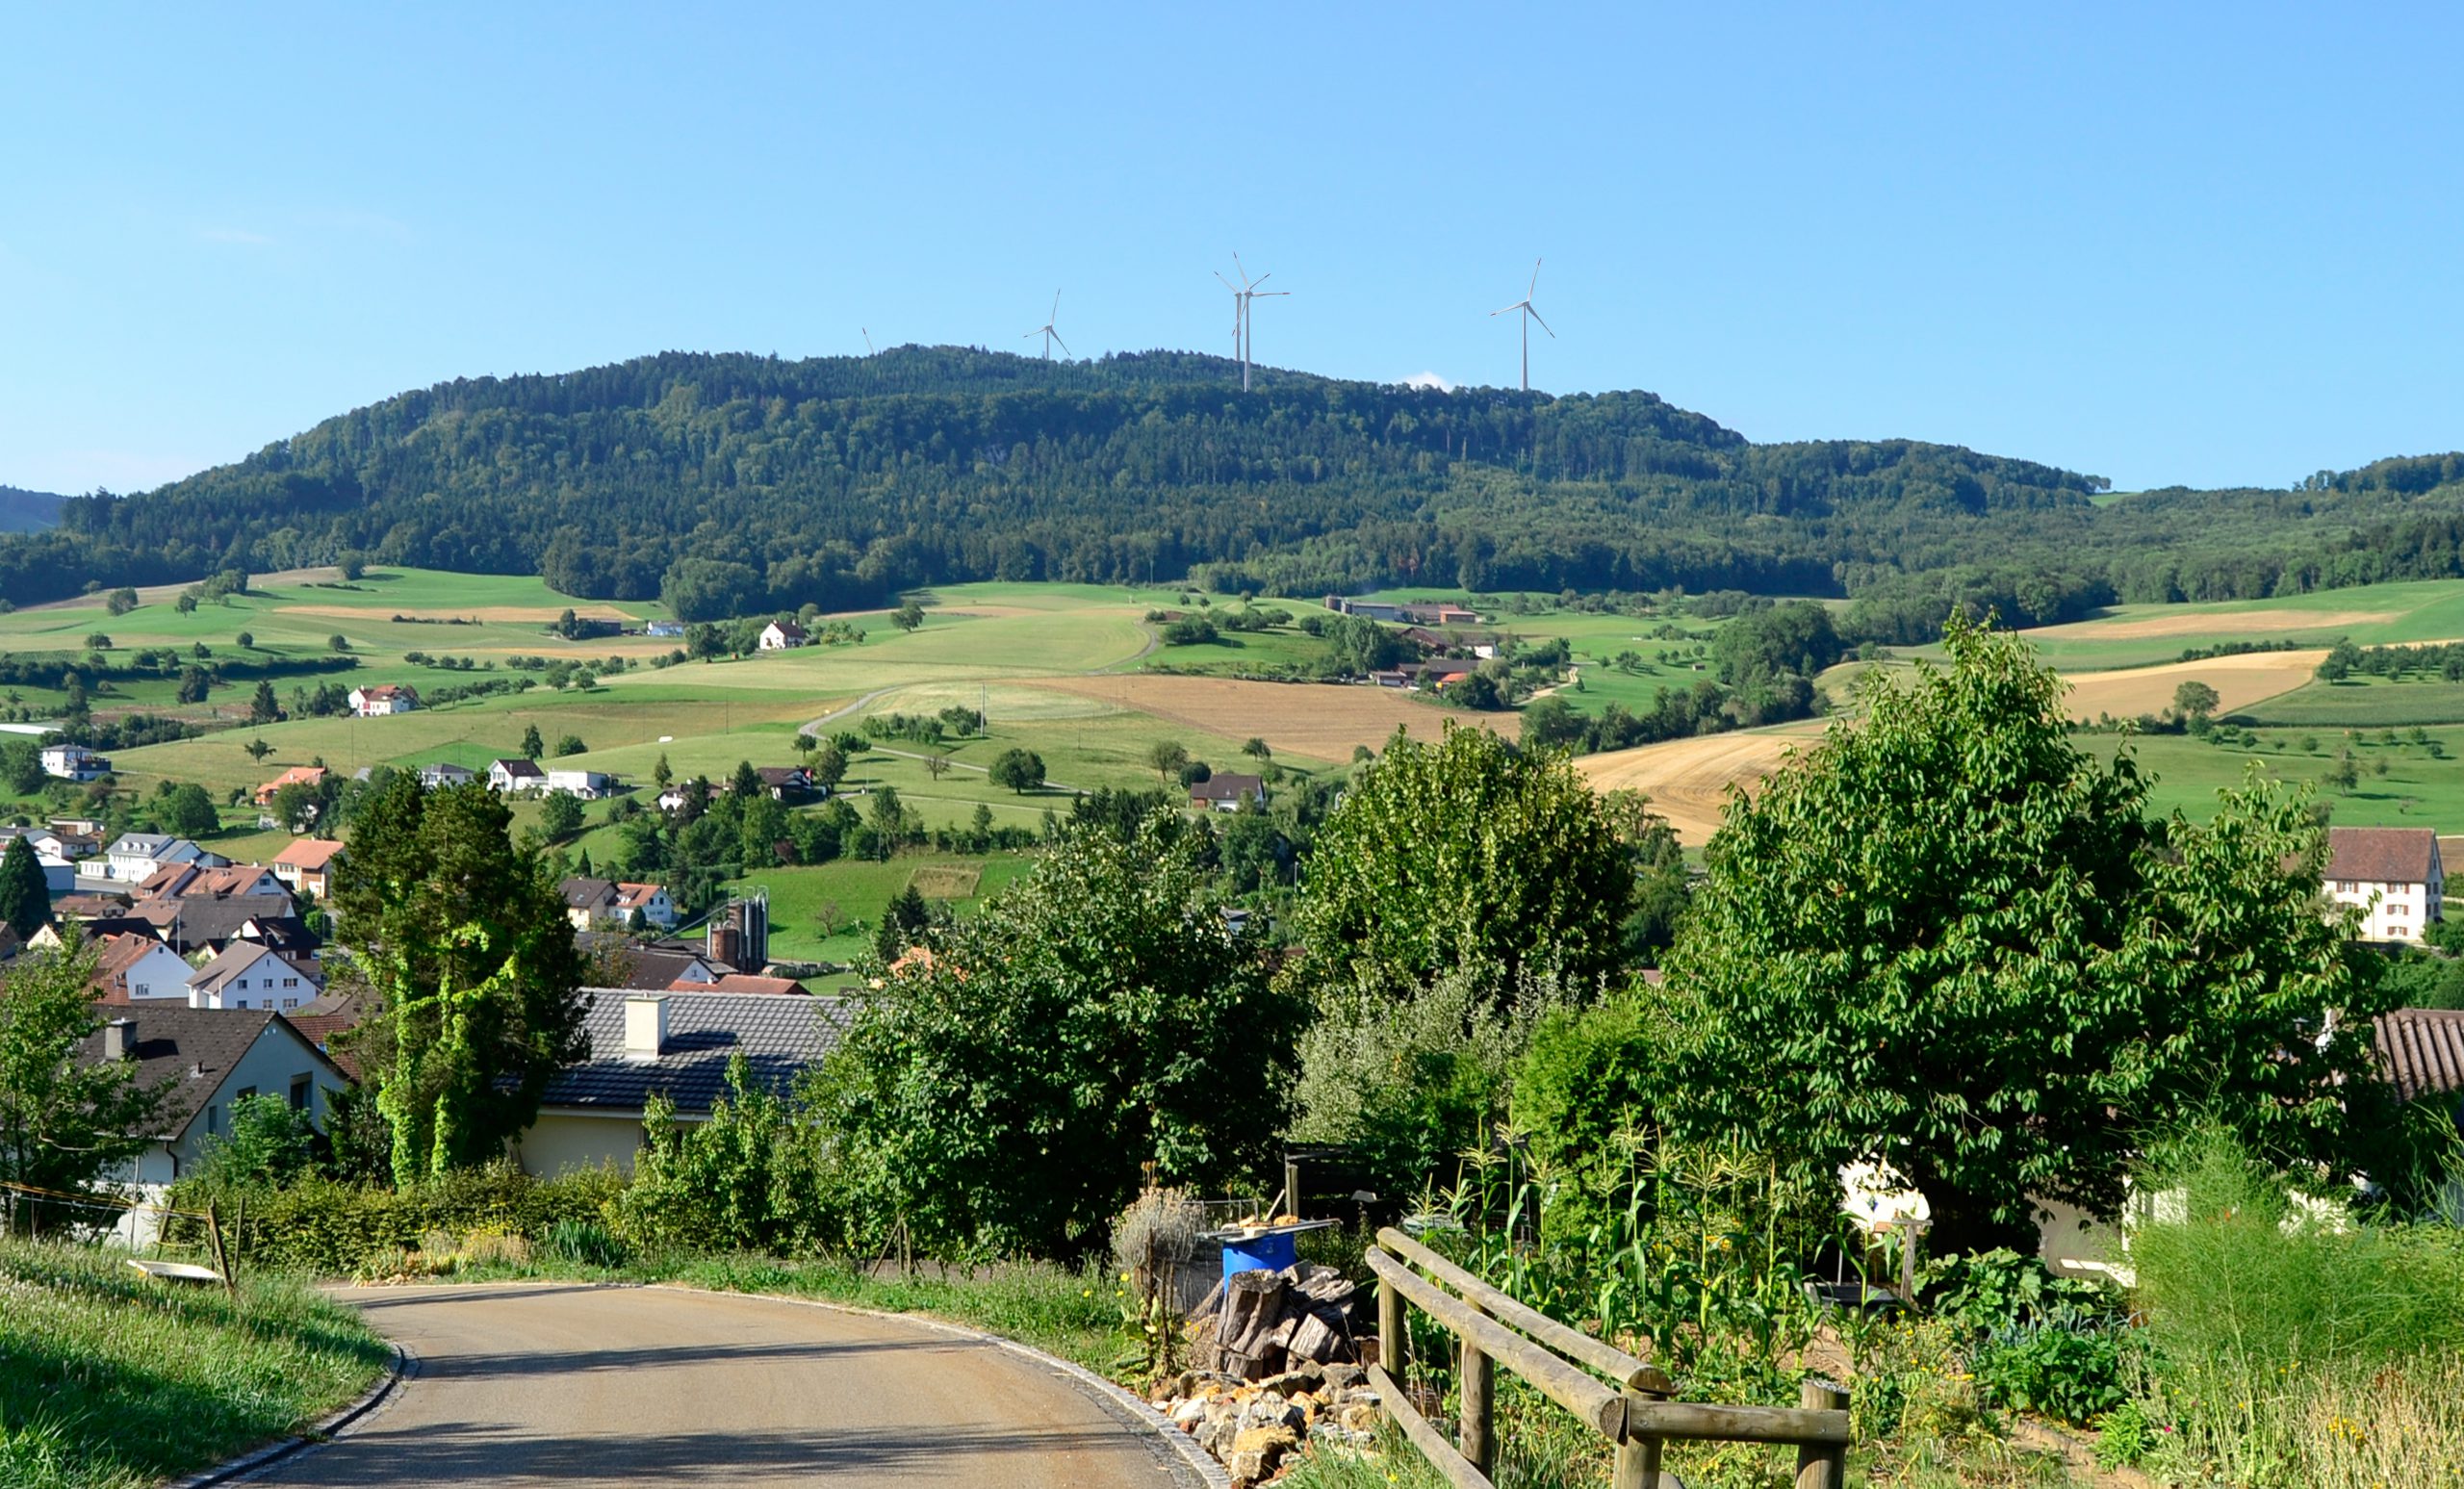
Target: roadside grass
point(109, 1380)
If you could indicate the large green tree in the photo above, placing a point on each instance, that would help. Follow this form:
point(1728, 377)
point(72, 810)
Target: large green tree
point(475, 965)
point(1098, 1015)
point(65, 1123)
point(1469, 852)
point(25, 898)
point(1947, 938)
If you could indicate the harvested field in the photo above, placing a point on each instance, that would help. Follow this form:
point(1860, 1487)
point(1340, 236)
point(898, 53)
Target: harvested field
point(1688, 780)
point(2276, 621)
point(1317, 720)
point(482, 612)
point(948, 881)
point(2239, 682)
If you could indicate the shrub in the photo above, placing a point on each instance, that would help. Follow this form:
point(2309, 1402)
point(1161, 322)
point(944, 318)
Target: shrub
point(334, 1229)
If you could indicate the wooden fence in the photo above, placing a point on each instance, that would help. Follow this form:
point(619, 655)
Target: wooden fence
point(1637, 1415)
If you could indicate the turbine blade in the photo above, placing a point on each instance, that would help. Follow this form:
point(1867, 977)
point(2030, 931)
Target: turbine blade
point(1267, 294)
point(1054, 314)
point(1065, 346)
point(1536, 280)
point(1502, 309)
point(1536, 315)
point(1227, 283)
point(1261, 279)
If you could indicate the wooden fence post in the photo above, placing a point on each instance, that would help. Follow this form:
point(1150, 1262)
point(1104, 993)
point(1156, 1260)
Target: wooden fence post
point(1480, 1430)
point(1390, 1331)
point(1639, 1457)
point(1821, 1466)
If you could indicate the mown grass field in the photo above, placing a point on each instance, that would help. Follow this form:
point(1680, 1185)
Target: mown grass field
point(109, 1380)
point(858, 891)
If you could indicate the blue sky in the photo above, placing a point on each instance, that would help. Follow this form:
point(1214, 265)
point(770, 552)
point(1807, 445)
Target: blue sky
point(2182, 244)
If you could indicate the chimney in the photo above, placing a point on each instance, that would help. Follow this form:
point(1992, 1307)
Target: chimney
point(644, 1026)
point(119, 1039)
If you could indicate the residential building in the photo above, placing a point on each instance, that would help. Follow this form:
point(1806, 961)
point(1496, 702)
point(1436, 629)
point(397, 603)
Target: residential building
point(515, 777)
point(2392, 874)
point(746, 982)
point(205, 1060)
point(588, 785)
point(374, 702)
point(1227, 791)
point(204, 927)
point(640, 905)
point(134, 858)
point(88, 907)
point(589, 902)
point(445, 773)
point(131, 967)
point(307, 865)
point(677, 1043)
point(624, 962)
point(74, 763)
point(780, 636)
point(298, 774)
point(249, 974)
point(43, 840)
point(234, 881)
point(785, 783)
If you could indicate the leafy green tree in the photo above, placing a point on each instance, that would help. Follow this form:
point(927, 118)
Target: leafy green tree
point(1257, 749)
point(1097, 1015)
point(64, 1123)
point(21, 766)
point(25, 900)
point(262, 708)
point(829, 766)
point(571, 744)
point(1021, 770)
point(1466, 852)
point(195, 682)
point(746, 1179)
point(268, 1144)
point(560, 816)
point(338, 642)
point(246, 641)
point(189, 812)
point(907, 617)
point(1948, 939)
point(1168, 757)
point(532, 746)
point(906, 920)
point(257, 749)
point(474, 968)
point(120, 601)
point(662, 773)
point(98, 642)
point(2195, 700)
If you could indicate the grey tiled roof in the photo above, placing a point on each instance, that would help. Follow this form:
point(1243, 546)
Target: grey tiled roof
point(189, 1052)
point(778, 1037)
point(2421, 1051)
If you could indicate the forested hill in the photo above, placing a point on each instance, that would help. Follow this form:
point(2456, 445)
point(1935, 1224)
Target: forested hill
point(729, 483)
point(26, 511)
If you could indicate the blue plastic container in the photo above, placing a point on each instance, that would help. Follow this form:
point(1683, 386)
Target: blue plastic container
point(1272, 1251)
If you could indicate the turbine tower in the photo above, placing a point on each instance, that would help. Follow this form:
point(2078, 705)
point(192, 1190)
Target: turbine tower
point(1241, 294)
point(1529, 315)
point(1046, 332)
point(868, 340)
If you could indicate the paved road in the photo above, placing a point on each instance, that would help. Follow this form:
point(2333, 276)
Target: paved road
point(560, 1385)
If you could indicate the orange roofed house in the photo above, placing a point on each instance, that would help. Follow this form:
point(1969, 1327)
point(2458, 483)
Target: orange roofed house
point(296, 775)
point(307, 865)
point(2392, 874)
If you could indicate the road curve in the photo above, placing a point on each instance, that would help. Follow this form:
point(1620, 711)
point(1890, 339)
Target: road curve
point(567, 1385)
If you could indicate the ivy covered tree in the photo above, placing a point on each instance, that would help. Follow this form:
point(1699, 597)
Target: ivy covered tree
point(1098, 1015)
point(1467, 852)
point(1945, 938)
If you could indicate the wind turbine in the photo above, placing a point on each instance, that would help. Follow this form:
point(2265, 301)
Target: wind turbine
point(1046, 332)
point(1241, 294)
point(868, 341)
point(1529, 315)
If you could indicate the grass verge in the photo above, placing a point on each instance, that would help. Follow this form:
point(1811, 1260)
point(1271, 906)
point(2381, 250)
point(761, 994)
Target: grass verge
point(109, 1380)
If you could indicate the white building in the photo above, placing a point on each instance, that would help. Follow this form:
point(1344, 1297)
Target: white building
point(371, 703)
point(510, 776)
point(134, 858)
point(2392, 874)
point(73, 762)
point(247, 975)
point(588, 785)
point(780, 636)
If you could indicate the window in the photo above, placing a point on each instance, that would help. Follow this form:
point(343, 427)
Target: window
point(246, 1092)
point(290, 1003)
point(299, 1090)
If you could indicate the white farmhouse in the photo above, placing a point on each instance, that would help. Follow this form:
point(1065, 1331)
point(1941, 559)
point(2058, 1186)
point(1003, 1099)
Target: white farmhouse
point(2392, 874)
point(588, 785)
point(511, 777)
point(73, 762)
point(134, 858)
point(371, 703)
point(780, 636)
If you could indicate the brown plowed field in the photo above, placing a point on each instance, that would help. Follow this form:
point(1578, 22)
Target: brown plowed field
point(1318, 720)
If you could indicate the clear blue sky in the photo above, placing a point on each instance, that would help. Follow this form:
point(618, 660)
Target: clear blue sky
point(2174, 244)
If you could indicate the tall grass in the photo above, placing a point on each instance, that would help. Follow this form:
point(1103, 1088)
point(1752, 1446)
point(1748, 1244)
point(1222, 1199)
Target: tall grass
point(109, 1380)
point(2297, 1348)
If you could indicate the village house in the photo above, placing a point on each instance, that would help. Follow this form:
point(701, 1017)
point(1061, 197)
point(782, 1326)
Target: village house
point(512, 778)
point(205, 1061)
point(249, 974)
point(73, 762)
point(2392, 874)
point(374, 702)
point(204, 927)
point(235, 882)
point(591, 904)
point(673, 1043)
point(298, 774)
point(134, 858)
point(780, 636)
point(134, 968)
point(307, 865)
point(640, 904)
point(443, 774)
point(1227, 791)
point(785, 783)
point(588, 785)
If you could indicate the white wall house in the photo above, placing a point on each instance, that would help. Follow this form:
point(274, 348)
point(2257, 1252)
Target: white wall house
point(2392, 874)
point(510, 778)
point(134, 858)
point(385, 697)
point(135, 968)
point(588, 785)
point(73, 762)
point(780, 636)
point(247, 975)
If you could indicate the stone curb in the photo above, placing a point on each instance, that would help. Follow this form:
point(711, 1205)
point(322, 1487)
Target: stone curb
point(1199, 1463)
point(397, 1369)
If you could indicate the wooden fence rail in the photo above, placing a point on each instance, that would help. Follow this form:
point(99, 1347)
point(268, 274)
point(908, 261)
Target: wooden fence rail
point(1635, 1414)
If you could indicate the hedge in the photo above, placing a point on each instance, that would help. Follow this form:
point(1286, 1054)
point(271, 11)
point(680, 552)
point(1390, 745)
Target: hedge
point(333, 1229)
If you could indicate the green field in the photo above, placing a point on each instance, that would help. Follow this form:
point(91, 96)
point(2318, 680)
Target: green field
point(858, 891)
point(2372, 615)
point(2418, 789)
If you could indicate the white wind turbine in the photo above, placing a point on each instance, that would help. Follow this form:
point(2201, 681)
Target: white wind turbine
point(1241, 294)
point(1529, 315)
point(1046, 332)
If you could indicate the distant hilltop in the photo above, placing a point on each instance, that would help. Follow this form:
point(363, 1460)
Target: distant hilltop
point(728, 484)
point(28, 511)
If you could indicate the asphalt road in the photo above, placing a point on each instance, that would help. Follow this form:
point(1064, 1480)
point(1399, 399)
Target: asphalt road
point(556, 1385)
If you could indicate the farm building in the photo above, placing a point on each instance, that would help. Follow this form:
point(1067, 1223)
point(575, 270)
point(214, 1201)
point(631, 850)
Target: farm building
point(780, 636)
point(372, 703)
point(2392, 874)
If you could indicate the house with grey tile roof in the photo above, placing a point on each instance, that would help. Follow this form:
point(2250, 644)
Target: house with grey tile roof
point(677, 1043)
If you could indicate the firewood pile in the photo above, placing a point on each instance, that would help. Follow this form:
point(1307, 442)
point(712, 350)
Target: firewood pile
point(1260, 1324)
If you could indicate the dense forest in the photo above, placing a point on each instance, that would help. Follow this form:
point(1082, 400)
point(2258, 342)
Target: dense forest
point(731, 483)
point(27, 511)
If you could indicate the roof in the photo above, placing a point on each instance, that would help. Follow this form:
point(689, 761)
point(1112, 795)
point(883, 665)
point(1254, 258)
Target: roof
point(634, 896)
point(443, 769)
point(188, 924)
point(189, 882)
point(1227, 786)
point(237, 957)
point(785, 627)
point(588, 893)
point(2422, 1050)
point(87, 907)
point(779, 1038)
point(629, 966)
point(309, 853)
point(113, 956)
point(329, 1015)
point(149, 844)
point(389, 690)
point(782, 775)
point(2381, 855)
point(744, 982)
point(192, 1051)
point(512, 767)
point(300, 775)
